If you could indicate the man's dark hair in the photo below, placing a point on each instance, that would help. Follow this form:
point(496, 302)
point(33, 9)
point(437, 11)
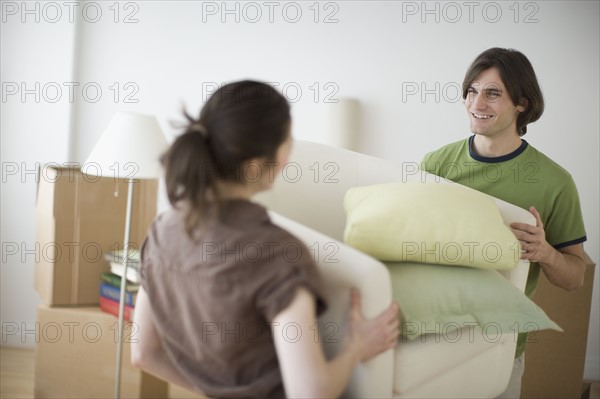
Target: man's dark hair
point(517, 76)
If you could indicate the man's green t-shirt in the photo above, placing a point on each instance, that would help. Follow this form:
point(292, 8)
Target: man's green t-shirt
point(525, 178)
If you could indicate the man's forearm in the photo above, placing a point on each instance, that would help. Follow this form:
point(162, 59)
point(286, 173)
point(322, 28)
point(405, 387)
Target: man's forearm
point(565, 270)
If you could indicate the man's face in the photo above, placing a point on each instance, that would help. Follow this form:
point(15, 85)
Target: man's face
point(490, 108)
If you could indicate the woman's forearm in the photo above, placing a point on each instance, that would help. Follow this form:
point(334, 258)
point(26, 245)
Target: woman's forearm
point(147, 351)
point(160, 365)
point(304, 368)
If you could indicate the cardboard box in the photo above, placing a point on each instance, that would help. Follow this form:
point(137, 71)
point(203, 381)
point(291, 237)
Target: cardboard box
point(78, 218)
point(76, 357)
point(554, 361)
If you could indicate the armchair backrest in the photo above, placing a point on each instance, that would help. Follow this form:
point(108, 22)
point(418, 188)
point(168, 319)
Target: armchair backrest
point(312, 187)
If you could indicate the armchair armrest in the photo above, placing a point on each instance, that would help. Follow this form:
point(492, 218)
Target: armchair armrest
point(511, 213)
point(343, 267)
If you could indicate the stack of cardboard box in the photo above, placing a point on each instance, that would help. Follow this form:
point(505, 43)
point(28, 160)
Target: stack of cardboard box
point(79, 218)
point(555, 362)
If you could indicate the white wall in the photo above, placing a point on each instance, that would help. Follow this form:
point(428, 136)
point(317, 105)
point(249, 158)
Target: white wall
point(374, 52)
point(33, 131)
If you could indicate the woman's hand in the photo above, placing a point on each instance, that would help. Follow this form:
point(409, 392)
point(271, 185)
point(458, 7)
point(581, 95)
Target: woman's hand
point(305, 370)
point(370, 337)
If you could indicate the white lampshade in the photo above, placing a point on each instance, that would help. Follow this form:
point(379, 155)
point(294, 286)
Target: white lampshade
point(130, 147)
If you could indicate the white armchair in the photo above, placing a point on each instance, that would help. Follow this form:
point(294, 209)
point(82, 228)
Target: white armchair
point(307, 200)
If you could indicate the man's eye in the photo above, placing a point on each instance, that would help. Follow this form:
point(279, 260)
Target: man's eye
point(471, 90)
point(492, 94)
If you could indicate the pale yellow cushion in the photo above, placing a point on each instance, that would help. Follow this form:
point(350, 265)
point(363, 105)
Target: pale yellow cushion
point(430, 223)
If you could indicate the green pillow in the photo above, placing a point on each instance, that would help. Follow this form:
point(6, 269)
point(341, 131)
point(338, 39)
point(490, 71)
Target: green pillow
point(431, 223)
point(442, 299)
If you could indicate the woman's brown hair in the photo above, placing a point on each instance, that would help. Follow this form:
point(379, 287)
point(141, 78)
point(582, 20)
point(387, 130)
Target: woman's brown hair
point(240, 121)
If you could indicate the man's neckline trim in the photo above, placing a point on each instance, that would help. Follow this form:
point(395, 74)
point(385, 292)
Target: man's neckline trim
point(502, 158)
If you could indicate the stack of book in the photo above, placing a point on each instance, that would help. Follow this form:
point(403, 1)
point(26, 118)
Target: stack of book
point(110, 287)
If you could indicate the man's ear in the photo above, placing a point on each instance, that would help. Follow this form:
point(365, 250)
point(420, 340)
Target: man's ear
point(523, 104)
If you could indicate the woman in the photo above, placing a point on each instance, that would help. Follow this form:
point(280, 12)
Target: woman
point(221, 284)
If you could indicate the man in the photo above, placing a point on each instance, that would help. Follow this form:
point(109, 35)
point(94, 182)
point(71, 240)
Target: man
point(502, 96)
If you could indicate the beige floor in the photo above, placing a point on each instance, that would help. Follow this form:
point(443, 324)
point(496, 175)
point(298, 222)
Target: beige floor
point(16, 377)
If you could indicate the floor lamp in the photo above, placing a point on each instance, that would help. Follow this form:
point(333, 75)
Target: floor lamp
point(128, 149)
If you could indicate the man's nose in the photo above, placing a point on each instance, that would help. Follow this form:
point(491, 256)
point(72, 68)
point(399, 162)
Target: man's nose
point(477, 100)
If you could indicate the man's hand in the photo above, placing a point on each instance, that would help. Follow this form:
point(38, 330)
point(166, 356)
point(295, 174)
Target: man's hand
point(564, 267)
point(534, 246)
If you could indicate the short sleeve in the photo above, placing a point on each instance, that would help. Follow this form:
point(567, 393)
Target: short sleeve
point(292, 267)
point(565, 225)
point(427, 163)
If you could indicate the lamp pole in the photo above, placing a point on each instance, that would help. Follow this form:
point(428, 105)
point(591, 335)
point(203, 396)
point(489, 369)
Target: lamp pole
point(123, 285)
point(130, 138)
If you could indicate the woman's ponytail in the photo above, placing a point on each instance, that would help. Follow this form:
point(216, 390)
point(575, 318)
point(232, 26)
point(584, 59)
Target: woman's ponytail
point(190, 173)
